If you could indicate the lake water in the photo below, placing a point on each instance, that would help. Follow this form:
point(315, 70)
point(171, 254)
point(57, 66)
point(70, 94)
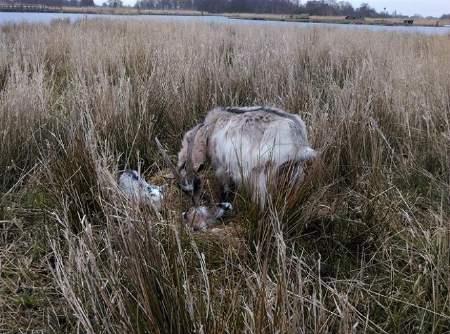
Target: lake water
point(9, 17)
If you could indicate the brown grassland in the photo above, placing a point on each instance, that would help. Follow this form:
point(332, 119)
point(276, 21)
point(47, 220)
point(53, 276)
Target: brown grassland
point(364, 246)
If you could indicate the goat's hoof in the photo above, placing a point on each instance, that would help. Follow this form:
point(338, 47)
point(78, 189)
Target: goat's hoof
point(225, 206)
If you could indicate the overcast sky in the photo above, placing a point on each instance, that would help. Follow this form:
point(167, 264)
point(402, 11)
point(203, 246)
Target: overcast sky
point(410, 7)
point(407, 7)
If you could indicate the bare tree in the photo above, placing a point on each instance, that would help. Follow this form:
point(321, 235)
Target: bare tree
point(87, 3)
point(115, 3)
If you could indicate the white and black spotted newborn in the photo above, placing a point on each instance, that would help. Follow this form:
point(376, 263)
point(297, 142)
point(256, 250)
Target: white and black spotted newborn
point(139, 190)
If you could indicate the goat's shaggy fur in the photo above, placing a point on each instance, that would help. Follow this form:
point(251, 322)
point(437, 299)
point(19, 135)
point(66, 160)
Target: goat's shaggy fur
point(246, 146)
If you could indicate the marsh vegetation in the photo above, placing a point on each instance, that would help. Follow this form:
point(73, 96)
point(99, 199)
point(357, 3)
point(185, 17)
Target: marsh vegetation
point(363, 247)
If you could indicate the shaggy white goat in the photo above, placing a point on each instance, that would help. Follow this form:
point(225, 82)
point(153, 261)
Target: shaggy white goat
point(137, 189)
point(246, 146)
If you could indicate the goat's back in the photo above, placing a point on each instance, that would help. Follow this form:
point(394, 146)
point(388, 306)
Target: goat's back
point(244, 140)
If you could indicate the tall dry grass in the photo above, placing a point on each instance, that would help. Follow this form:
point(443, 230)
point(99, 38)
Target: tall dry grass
point(363, 248)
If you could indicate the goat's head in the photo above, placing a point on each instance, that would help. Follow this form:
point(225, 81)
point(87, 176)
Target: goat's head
point(199, 218)
point(191, 159)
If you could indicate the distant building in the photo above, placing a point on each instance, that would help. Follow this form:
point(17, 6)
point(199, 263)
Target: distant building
point(351, 17)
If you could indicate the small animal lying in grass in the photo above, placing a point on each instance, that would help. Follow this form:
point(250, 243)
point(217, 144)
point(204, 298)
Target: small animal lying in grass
point(139, 190)
point(199, 218)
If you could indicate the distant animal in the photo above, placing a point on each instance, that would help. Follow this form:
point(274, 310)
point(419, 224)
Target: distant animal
point(139, 190)
point(245, 146)
point(199, 218)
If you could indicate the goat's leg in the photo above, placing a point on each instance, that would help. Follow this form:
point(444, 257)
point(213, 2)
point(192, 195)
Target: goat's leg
point(227, 191)
point(222, 209)
point(227, 186)
point(289, 176)
point(259, 187)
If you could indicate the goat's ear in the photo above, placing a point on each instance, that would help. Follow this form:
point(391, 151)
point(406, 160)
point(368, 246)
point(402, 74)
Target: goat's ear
point(199, 150)
point(307, 154)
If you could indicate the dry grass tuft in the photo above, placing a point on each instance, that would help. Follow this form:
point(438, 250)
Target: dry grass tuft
point(362, 247)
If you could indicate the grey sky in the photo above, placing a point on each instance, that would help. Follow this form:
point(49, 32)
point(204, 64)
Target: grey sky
point(407, 7)
point(410, 7)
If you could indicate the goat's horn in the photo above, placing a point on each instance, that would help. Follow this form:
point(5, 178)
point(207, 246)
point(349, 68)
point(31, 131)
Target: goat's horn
point(167, 159)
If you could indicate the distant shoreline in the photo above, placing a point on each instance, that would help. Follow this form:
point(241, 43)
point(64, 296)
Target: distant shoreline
point(342, 20)
point(233, 16)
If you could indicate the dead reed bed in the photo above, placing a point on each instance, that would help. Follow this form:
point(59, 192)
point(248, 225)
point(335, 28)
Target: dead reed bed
point(363, 247)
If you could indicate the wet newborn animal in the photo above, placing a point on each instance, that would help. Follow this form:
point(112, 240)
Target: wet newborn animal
point(199, 218)
point(139, 190)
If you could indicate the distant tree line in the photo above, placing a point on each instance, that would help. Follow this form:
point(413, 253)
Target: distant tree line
point(73, 3)
point(341, 8)
point(223, 6)
point(312, 7)
point(247, 6)
point(113, 3)
point(167, 4)
point(315, 7)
